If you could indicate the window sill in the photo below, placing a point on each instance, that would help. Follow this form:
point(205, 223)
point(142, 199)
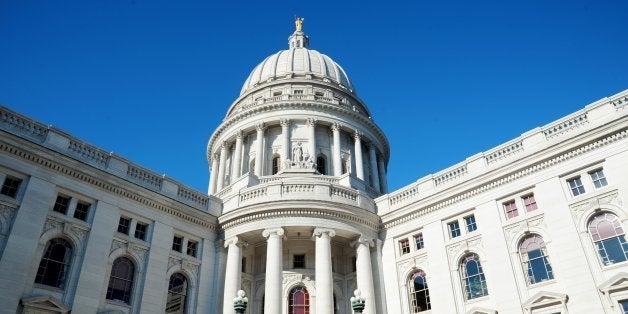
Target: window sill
point(542, 284)
point(476, 300)
point(613, 266)
point(118, 303)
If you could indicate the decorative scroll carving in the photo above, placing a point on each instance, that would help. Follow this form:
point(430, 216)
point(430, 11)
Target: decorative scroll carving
point(610, 198)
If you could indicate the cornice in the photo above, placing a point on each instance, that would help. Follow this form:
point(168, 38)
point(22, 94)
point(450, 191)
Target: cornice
point(395, 218)
point(101, 184)
point(296, 104)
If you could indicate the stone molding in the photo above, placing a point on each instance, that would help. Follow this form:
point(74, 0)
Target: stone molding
point(595, 202)
point(102, 184)
point(76, 232)
point(237, 241)
point(362, 240)
point(129, 247)
point(318, 232)
point(277, 231)
point(284, 122)
point(311, 122)
point(509, 177)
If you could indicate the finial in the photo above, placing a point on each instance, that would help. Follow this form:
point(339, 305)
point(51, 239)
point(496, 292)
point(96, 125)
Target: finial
point(298, 22)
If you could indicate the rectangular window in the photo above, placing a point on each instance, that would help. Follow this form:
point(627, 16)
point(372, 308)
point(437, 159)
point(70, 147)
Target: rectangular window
point(177, 243)
point(404, 245)
point(10, 186)
point(320, 94)
point(298, 261)
point(276, 93)
point(193, 247)
point(243, 265)
point(454, 229)
point(123, 225)
point(140, 231)
point(469, 221)
point(623, 304)
point(354, 264)
point(298, 92)
point(529, 202)
point(61, 204)
point(598, 178)
point(81, 211)
point(418, 241)
point(511, 209)
point(575, 185)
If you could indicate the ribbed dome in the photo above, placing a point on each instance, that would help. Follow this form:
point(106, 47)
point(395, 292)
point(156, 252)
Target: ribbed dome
point(298, 62)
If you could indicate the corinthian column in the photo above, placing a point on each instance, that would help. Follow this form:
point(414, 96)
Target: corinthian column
point(221, 168)
point(374, 172)
point(335, 129)
point(285, 136)
point(359, 167)
point(274, 270)
point(259, 147)
point(323, 272)
point(232, 273)
point(311, 123)
point(383, 185)
point(214, 175)
point(237, 158)
point(364, 272)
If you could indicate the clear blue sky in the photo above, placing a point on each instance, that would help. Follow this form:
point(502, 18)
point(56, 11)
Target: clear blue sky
point(150, 80)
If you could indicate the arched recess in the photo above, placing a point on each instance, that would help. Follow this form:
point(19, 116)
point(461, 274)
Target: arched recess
point(191, 276)
point(298, 280)
point(275, 164)
point(321, 164)
point(138, 278)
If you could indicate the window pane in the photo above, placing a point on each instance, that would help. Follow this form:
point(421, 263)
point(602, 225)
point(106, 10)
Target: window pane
point(177, 293)
point(473, 280)
point(10, 186)
point(81, 211)
point(470, 222)
point(121, 280)
point(61, 204)
point(54, 263)
point(418, 292)
point(608, 236)
point(454, 229)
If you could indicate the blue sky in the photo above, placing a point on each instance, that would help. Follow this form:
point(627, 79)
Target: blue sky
point(150, 80)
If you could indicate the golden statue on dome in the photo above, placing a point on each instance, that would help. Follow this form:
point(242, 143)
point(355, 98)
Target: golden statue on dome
point(298, 22)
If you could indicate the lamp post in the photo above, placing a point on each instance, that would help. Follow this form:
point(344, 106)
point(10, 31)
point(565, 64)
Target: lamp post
point(357, 302)
point(240, 302)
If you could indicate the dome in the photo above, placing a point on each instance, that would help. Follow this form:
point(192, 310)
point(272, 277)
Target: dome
point(298, 62)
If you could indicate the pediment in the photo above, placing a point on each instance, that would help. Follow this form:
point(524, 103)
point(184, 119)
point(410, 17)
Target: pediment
point(46, 303)
point(481, 310)
point(617, 282)
point(544, 298)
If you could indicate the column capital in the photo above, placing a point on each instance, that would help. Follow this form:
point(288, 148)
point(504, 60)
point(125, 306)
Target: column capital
point(319, 232)
point(215, 156)
point(239, 134)
point(311, 121)
point(223, 145)
point(268, 232)
point(235, 240)
point(335, 127)
point(357, 135)
point(284, 122)
point(260, 127)
point(362, 240)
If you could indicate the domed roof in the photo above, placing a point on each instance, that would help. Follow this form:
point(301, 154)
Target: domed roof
point(298, 62)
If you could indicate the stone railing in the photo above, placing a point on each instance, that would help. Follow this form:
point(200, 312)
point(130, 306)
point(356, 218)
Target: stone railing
point(594, 115)
point(344, 102)
point(300, 189)
point(267, 179)
point(65, 144)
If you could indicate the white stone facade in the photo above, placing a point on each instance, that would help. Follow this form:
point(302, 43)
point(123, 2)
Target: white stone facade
point(299, 202)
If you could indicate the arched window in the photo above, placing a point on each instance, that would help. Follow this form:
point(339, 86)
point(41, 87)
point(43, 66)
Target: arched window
point(299, 301)
point(609, 238)
point(54, 264)
point(121, 280)
point(473, 280)
point(535, 259)
point(419, 293)
point(321, 165)
point(275, 165)
point(177, 293)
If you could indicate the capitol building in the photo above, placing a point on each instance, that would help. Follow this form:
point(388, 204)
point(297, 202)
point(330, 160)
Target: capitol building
point(298, 214)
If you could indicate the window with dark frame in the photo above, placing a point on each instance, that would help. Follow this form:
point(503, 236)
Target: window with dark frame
point(298, 261)
point(276, 165)
point(192, 248)
point(354, 267)
point(10, 186)
point(54, 264)
point(529, 202)
point(243, 265)
point(510, 208)
point(140, 231)
point(81, 211)
point(121, 280)
point(298, 92)
point(177, 243)
point(61, 204)
point(123, 225)
point(454, 229)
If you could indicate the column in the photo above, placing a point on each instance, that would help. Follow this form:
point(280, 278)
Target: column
point(311, 123)
point(236, 170)
point(364, 272)
point(383, 185)
point(285, 136)
point(213, 175)
point(323, 272)
point(156, 267)
point(233, 275)
point(259, 147)
point(335, 129)
point(274, 270)
point(359, 167)
point(374, 172)
point(221, 168)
